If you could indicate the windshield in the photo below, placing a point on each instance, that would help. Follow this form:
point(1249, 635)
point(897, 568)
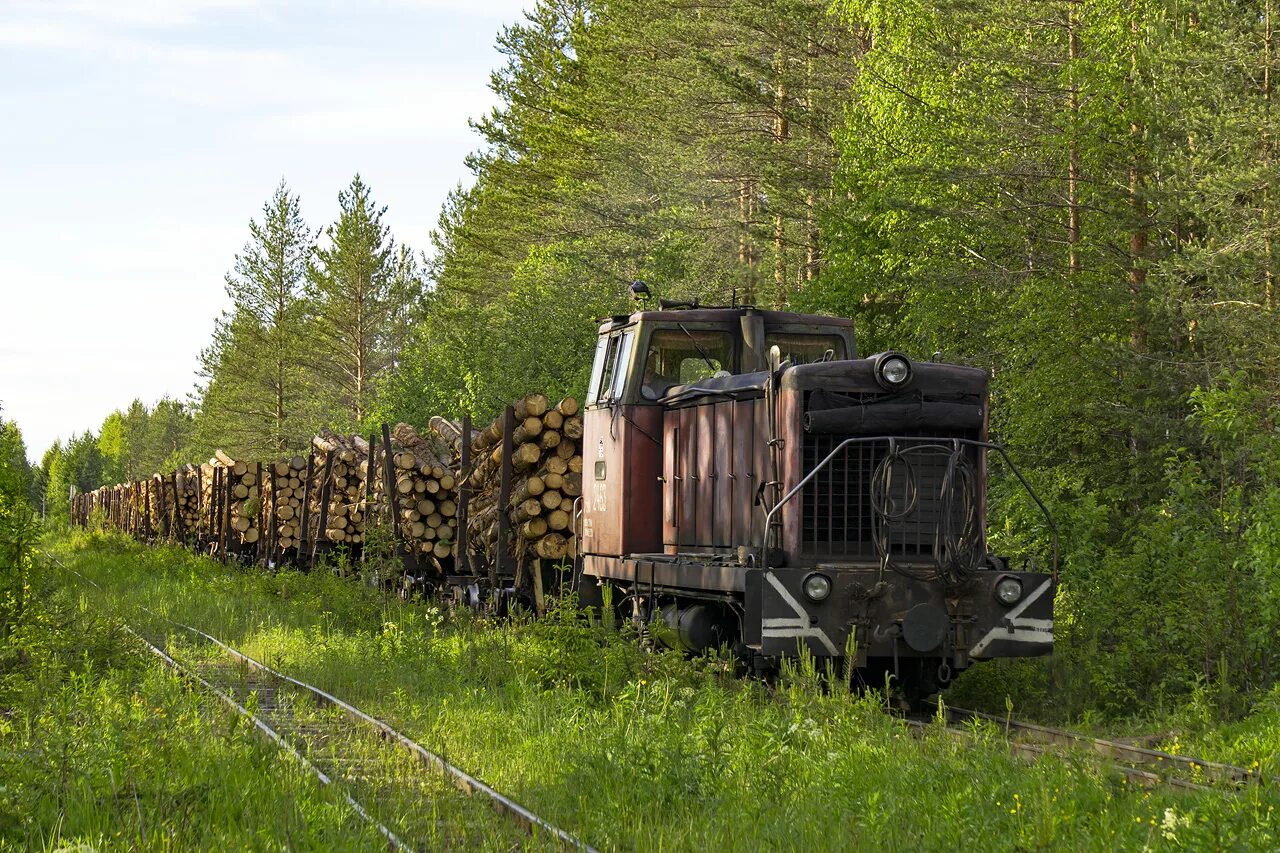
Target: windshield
point(683, 355)
point(806, 348)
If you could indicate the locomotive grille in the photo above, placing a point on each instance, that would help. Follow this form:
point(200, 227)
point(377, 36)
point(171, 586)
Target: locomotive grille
point(838, 519)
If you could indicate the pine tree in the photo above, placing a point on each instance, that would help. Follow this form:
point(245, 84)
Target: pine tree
point(359, 293)
point(256, 399)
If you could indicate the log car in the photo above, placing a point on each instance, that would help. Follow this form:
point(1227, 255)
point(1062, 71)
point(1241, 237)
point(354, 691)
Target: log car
point(749, 481)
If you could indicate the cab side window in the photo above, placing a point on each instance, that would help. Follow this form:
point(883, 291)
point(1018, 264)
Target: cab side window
point(680, 356)
point(597, 369)
point(609, 370)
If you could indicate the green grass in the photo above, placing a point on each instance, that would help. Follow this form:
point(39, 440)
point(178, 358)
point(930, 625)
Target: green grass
point(649, 751)
point(100, 746)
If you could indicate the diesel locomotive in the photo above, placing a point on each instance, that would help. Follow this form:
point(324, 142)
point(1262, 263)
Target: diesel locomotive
point(749, 481)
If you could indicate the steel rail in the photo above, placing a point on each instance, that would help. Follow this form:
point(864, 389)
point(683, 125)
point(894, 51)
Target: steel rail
point(1129, 760)
point(466, 782)
point(1129, 753)
point(1034, 752)
point(259, 724)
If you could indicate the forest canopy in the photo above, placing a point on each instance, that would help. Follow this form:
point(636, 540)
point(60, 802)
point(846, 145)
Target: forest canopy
point(1072, 194)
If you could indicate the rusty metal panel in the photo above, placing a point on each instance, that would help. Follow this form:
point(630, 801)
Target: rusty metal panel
point(602, 467)
point(790, 414)
point(642, 514)
point(743, 477)
point(705, 474)
point(763, 469)
point(687, 453)
point(670, 482)
point(722, 529)
point(609, 567)
point(623, 500)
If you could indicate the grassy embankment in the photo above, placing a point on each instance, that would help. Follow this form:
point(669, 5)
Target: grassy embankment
point(103, 747)
point(649, 751)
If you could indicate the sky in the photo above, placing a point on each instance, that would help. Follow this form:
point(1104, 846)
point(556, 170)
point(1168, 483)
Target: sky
point(137, 140)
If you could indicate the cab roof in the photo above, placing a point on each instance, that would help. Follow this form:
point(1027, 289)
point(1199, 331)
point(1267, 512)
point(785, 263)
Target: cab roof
point(725, 315)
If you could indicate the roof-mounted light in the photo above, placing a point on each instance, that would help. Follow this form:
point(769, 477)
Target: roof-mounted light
point(892, 370)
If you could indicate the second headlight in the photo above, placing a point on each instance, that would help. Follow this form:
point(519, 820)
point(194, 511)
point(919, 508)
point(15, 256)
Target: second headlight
point(1008, 591)
point(817, 587)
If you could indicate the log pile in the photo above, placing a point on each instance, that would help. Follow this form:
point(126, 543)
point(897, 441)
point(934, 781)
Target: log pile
point(244, 494)
point(413, 482)
point(187, 498)
point(283, 491)
point(547, 477)
point(149, 504)
point(424, 499)
point(339, 503)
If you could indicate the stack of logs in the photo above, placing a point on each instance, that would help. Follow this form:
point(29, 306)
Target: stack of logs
point(425, 500)
point(547, 468)
point(283, 490)
point(346, 460)
point(187, 499)
point(150, 498)
point(244, 492)
point(413, 483)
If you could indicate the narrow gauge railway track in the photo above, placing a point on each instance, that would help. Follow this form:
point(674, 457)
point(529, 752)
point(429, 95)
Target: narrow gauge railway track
point(368, 759)
point(1147, 767)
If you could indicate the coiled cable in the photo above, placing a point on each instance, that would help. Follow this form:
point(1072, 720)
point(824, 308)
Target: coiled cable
point(895, 496)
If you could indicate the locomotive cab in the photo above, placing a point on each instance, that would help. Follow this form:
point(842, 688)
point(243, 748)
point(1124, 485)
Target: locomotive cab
point(749, 481)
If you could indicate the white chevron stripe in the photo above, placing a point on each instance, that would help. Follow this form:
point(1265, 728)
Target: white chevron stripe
point(796, 626)
point(1034, 631)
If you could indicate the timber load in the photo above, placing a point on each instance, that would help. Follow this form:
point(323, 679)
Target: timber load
point(540, 441)
point(186, 482)
point(240, 499)
point(337, 510)
point(507, 490)
point(417, 488)
point(282, 495)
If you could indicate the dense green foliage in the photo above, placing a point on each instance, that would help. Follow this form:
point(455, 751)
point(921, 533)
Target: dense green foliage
point(688, 146)
point(1074, 194)
point(130, 445)
point(364, 294)
point(18, 532)
point(637, 751)
point(17, 481)
point(313, 327)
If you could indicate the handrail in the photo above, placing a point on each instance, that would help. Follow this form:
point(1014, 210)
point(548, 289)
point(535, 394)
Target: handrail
point(893, 439)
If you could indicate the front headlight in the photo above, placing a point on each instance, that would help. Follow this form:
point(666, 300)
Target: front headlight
point(893, 370)
point(817, 587)
point(1008, 591)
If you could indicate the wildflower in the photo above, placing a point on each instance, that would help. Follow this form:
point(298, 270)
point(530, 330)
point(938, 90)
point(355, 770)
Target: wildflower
point(1171, 823)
